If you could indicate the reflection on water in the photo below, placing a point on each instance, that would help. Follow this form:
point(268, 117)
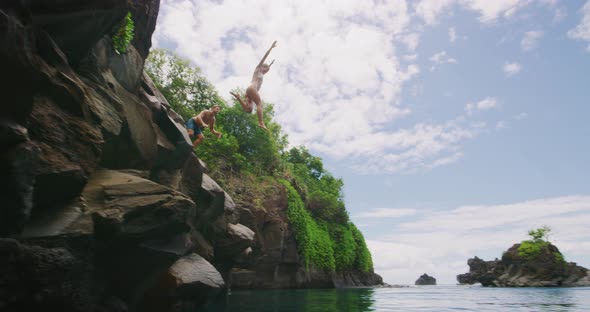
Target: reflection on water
point(425, 298)
point(312, 300)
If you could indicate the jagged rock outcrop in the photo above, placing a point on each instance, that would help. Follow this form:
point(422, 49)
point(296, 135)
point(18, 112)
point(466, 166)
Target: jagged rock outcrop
point(274, 261)
point(86, 238)
point(106, 206)
point(547, 269)
point(425, 279)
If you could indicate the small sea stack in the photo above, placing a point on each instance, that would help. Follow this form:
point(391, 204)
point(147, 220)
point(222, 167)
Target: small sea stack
point(425, 279)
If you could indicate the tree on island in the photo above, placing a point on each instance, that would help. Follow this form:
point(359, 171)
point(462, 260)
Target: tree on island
point(530, 249)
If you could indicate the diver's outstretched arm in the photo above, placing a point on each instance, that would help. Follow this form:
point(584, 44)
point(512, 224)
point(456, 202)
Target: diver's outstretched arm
point(274, 44)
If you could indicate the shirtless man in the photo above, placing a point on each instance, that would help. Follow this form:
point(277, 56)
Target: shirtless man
point(252, 94)
point(203, 120)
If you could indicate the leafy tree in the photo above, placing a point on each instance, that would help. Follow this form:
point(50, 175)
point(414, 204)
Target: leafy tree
point(187, 91)
point(321, 191)
point(540, 234)
point(259, 147)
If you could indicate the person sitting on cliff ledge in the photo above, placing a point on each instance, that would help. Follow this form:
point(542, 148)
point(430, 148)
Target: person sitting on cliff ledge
point(204, 119)
point(252, 94)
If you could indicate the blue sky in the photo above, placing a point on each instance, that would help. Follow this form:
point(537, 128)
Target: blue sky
point(456, 125)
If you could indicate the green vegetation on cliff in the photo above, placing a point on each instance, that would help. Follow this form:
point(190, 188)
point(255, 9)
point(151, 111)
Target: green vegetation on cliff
point(250, 163)
point(531, 249)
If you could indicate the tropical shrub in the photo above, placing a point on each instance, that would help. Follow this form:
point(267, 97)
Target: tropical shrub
point(124, 34)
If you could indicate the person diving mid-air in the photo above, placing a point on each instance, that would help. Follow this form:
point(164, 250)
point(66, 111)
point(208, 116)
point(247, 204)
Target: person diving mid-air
point(252, 94)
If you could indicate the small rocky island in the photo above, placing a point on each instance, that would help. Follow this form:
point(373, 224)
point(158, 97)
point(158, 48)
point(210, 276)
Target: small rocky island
point(532, 263)
point(425, 279)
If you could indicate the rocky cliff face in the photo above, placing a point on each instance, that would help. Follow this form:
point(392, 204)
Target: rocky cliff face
point(513, 270)
point(104, 205)
point(273, 260)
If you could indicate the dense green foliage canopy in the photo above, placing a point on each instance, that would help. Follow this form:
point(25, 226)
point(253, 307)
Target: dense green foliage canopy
point(248, 161)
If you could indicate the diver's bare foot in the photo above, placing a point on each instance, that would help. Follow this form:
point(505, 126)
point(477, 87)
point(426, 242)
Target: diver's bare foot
point(263, 126)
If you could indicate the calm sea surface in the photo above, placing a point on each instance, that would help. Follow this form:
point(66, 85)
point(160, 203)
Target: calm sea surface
point(424, 298)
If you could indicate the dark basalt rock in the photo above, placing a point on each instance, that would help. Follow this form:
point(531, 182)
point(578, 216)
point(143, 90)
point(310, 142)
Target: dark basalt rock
point(16, 186)
point(425, 279)
point(513, 270)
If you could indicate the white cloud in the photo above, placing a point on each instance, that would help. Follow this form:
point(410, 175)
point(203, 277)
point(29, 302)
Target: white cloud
point(387, 213)
point(440, 242)
point(582, 30)
point(485, 104)
point(411, 41)
point(489, 11)
point(441, 58)
point(531, 40)
point(438, 57)
point(411, 57)
point(511, 69)
point(452, 34)
point(429, 10)
point(333, 62)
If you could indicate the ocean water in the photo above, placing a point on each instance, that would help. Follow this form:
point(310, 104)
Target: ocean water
point(413, 298)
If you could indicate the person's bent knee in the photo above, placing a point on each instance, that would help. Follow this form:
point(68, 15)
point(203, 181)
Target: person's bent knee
point(199, 139)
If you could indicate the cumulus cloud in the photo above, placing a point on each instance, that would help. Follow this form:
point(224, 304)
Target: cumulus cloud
point(511, 69)
point(423, 146)
point(582, 30)
point(530, 40)
point(441, 58)
point(411, 41)
point(490, 11)
point(485, 104)
point(411, 57)
point(429, 10)
point(440, 242)
point(387, 213)
point(338, 76)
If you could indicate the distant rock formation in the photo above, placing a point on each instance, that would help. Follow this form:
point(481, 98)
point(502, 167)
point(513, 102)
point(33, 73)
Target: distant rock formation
point(547, 269)
point(425, 279)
